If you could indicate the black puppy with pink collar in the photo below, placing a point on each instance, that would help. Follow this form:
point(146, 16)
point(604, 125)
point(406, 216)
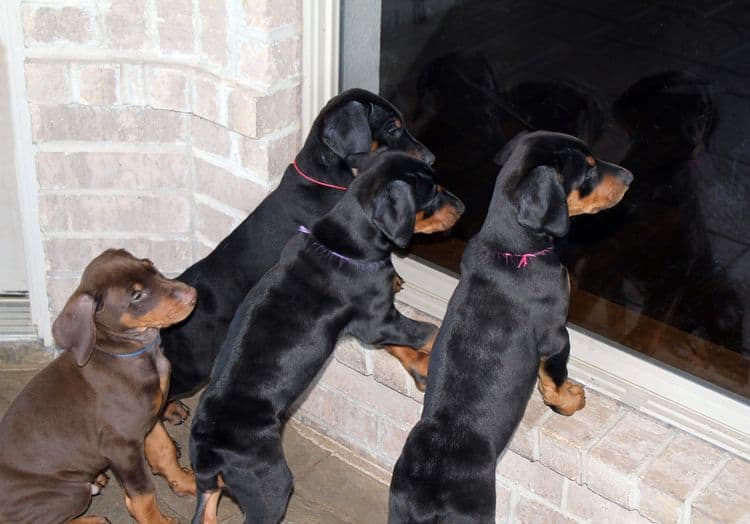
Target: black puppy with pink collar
point(505, 325)
point(334, 278)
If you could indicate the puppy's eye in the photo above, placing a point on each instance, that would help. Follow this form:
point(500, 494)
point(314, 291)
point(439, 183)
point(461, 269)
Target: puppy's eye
point(393, 129)
point(137, 295)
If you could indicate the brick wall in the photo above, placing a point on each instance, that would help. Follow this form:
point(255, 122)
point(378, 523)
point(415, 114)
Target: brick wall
point(605, 464)
point(157, 124)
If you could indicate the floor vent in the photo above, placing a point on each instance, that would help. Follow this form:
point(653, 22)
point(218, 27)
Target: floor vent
point(15, 317)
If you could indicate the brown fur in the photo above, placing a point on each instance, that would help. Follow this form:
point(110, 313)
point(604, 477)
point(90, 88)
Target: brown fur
point(89, 410)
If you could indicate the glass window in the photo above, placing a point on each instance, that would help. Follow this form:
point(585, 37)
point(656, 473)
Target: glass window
point(660, 88)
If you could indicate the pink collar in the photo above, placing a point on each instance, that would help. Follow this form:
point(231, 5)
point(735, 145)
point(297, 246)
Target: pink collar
point(314, 181)
point(525, 257)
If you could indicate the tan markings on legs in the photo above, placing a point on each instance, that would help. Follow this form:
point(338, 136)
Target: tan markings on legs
point(99, 482)
point(567, 399)
point(144, 510)
point(210, 515)
point(175, 412)
point(414, 361)
point(161, 454)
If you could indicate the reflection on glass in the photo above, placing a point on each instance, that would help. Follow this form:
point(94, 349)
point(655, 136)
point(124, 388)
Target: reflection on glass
point(660, 89)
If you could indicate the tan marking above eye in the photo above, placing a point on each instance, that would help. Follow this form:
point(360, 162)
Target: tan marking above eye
point(590, 160)
point(137, 286)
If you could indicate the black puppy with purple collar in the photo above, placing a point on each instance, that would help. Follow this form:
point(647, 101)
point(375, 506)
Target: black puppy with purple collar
point(333, 279)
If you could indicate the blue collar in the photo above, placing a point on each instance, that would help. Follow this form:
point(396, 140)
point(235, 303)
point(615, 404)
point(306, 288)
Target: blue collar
point(141, 351)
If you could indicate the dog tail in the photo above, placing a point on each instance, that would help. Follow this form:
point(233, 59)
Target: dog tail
point(414, 497)
point(446, 473)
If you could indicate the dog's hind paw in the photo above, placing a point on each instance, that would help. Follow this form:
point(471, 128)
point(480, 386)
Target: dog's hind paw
point(176, 412)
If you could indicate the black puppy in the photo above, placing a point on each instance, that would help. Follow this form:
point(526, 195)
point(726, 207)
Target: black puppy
point(506, 316)
point(333, 279)
point(352, 123)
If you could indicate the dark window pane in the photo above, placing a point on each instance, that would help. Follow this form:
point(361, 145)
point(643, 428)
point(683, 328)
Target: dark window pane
point(659, 88)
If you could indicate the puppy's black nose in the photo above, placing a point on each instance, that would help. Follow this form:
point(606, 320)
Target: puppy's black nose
point(618, 172)
point(454, 200)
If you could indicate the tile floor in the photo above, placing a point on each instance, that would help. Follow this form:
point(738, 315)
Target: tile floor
point(328, 488)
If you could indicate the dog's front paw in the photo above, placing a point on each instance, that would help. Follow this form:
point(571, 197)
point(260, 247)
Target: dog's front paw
point(398, 283)
point(572, 398)
point(184, 484)
point(176, 412)
point(565, 400)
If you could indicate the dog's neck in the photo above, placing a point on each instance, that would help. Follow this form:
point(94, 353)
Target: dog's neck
point(125, 342)
point(502, 230)
point(323, 166)
point(334, 231)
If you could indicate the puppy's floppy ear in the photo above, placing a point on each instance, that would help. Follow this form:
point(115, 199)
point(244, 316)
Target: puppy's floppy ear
point(541, 202)
point(394, 212)
point(502, 156)
point(74, 327)
point(346, 131)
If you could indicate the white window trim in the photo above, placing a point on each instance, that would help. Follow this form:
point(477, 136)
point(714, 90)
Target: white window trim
point(28, 187)
point(602, 365)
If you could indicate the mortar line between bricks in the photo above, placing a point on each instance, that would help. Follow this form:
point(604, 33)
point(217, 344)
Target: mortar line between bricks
point(530, 495)
point(82, 146)
point(343, 453)
point(220, 206)
point(635, 495)
point(564, 495)
point(119, 235)
point(272, 35)
point(81, 54)
point(687, 507)
point(231, 167)
point(536, 436)
point(205, 241)
point(367, 408)
point(586, 449)
point(108, 192)
point(512, 502)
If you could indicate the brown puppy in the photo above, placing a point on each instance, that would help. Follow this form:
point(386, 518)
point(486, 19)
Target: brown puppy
point(93, 406)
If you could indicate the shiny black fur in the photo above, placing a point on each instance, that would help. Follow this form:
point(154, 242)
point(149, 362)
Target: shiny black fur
point(348, 125)
point(501, 321)
point(287, 326)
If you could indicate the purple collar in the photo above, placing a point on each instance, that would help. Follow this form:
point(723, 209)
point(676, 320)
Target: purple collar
point(523, 258)
point(363, 265)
